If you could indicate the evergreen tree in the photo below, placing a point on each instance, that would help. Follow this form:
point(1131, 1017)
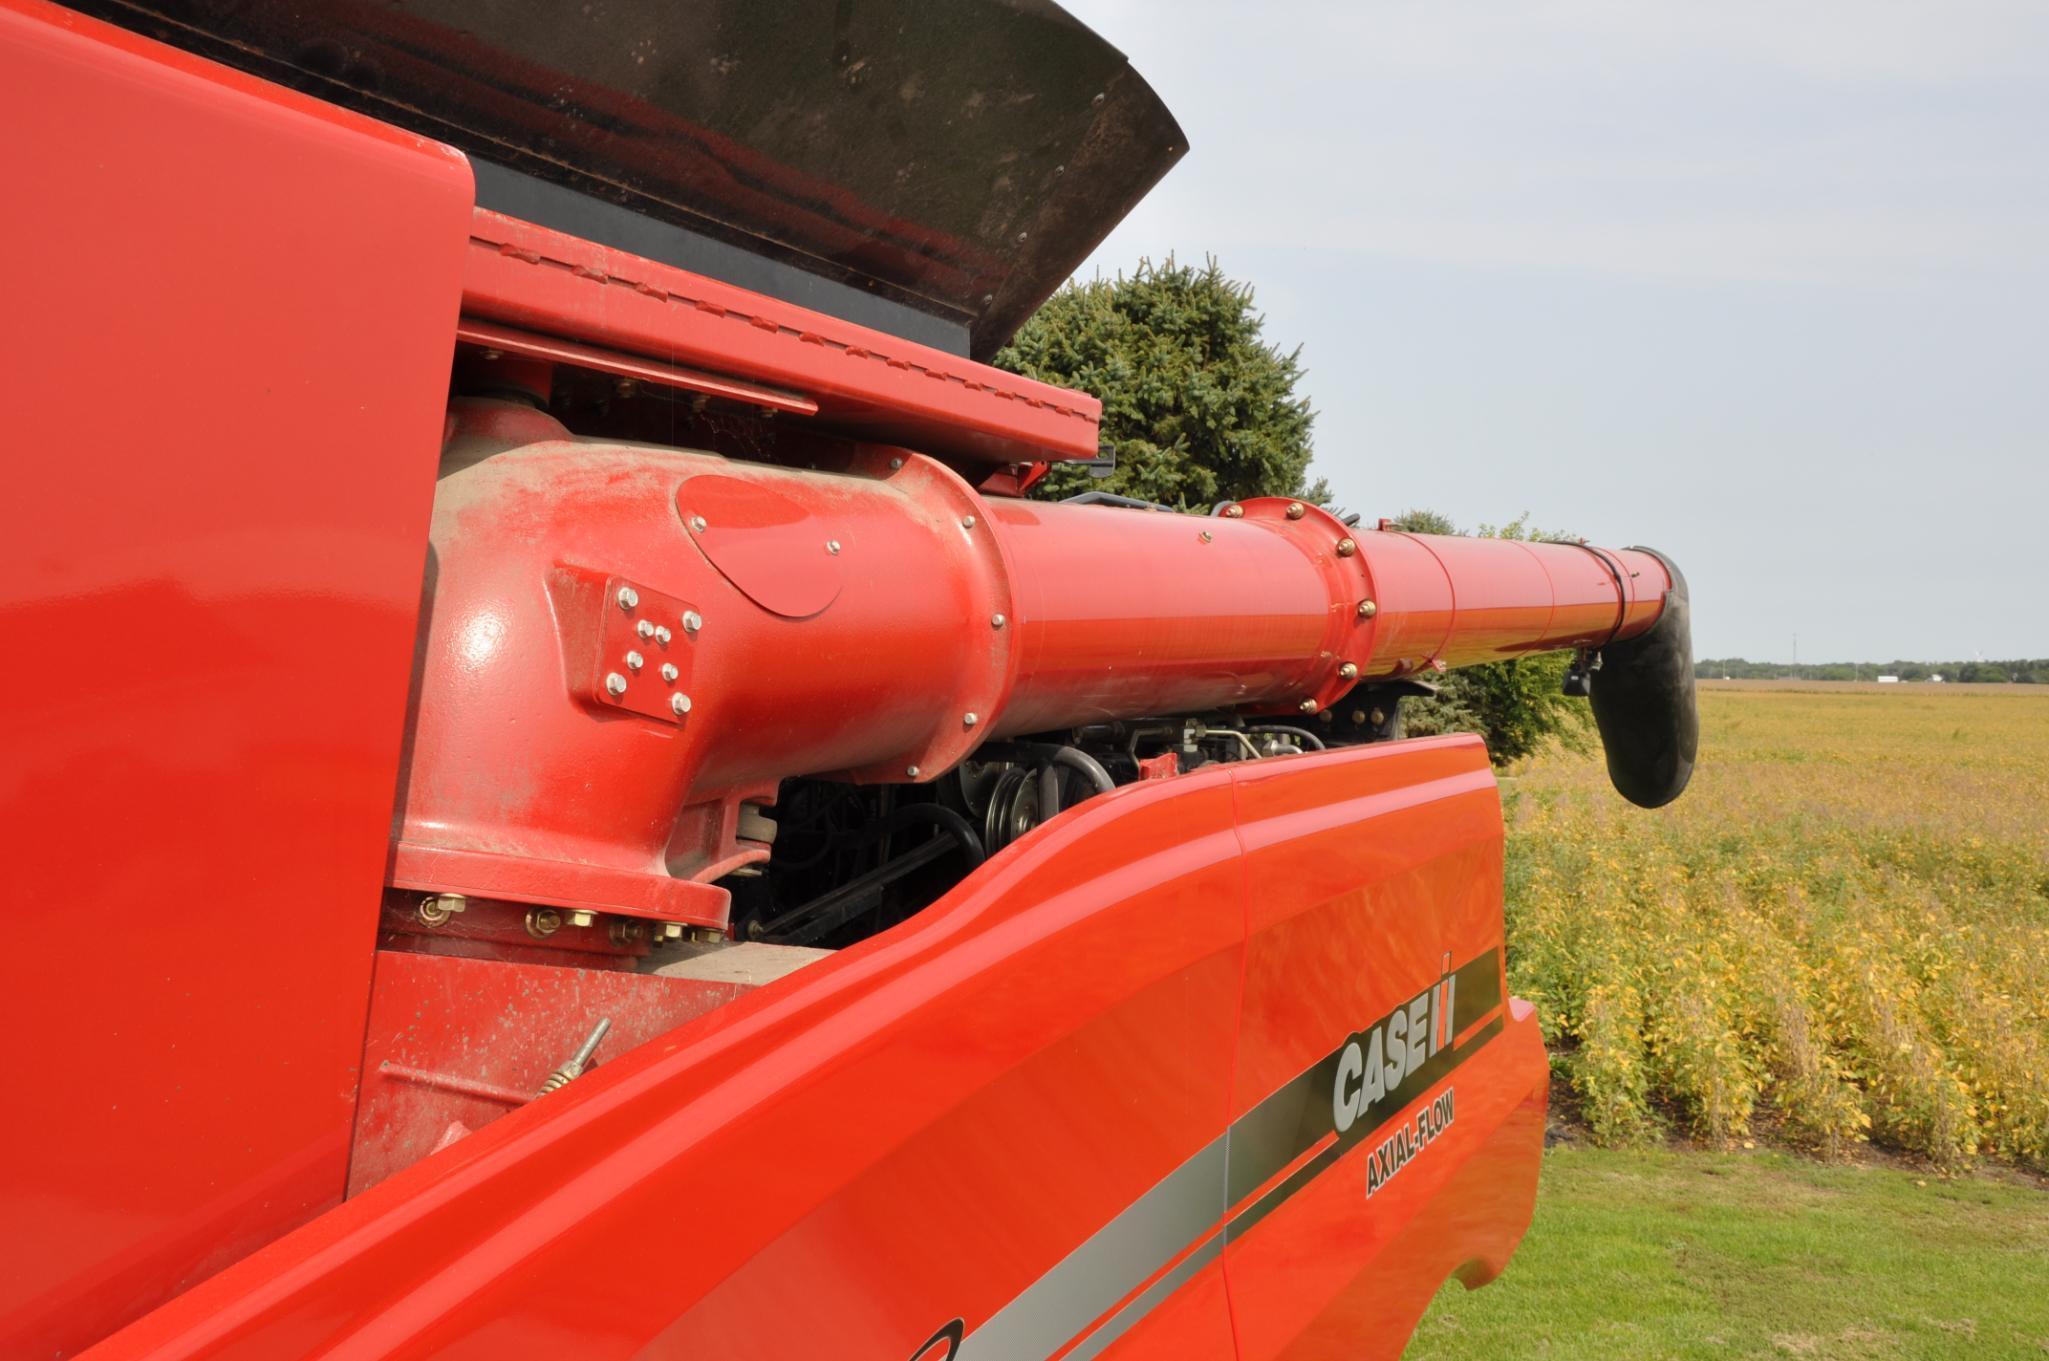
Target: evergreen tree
point(1197, 406)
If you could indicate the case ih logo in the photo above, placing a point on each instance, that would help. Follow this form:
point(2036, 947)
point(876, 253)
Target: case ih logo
point(1387, 1065)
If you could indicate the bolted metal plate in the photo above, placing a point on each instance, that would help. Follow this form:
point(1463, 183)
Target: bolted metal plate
point(646, 641)
point(773, 550)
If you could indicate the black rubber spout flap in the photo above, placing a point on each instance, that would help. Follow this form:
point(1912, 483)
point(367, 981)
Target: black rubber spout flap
point(1644, 706)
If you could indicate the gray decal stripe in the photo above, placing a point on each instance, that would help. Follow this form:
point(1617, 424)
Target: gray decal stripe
point(1281, 1128)
point(1184, 1208)
point(1430, 1074)
point(1118, 1323)
point(1115, 1261)
point(1479, 991)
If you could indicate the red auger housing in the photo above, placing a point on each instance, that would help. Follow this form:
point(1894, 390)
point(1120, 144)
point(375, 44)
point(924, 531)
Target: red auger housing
point(561, 794)
point(675, 633)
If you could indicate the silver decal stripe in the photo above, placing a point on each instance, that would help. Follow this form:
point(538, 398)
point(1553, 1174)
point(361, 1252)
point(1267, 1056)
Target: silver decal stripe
point(1186, 1210)
point(1118, 1259)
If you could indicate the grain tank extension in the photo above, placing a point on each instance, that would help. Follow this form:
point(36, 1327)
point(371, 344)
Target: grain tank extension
point(562, 797)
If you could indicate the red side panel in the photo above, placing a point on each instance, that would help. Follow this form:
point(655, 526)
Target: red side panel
point(918, 1130)
point(1382, 900)
point(229, 318)
point(1013, 1128)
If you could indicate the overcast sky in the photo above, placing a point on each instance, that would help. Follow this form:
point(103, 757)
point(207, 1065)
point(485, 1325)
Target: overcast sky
point(1762, 285)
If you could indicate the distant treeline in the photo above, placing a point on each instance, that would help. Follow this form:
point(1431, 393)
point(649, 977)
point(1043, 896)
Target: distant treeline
point(2029, 671)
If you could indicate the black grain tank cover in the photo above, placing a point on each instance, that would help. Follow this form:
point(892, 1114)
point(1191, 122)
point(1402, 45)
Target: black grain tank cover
point(955, 157)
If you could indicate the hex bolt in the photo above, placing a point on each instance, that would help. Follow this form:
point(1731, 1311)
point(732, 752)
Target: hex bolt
point(1346, 548)
point(697, 524)
point(1367, 609)
point(969, 720)
point(911, 771)
point(679, 705)
point(436, 908)
point(832, 546)
point(625, 387)
point(692, 621)
point(967, 522)
point(1325, 717)
point(626, 932)
point(542, 922)
point(1347, 671)
point(1206, 536)
point(583, 917)
point(1296, 510)
point(634, 661)
point(615, 684)
point(662, 634)
point(1378, 716)
point(1308, 706)
point(1234, 512)
point(1359, 717)
point(628, 598)
point(895, 463)
point(669, 672)
point(645, 629)
point(997, 621)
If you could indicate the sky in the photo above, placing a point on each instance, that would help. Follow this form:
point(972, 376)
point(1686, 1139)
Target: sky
point(1762, 285)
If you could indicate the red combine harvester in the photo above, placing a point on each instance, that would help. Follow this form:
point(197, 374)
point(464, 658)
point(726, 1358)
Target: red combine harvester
point(559, 801)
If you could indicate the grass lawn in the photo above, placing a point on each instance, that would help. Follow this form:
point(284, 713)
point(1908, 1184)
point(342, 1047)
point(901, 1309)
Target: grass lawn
point(1657, 1254)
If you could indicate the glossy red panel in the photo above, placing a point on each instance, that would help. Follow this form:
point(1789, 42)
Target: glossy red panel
point(915, 1130)
point(230, 316)
point(1377, 876)
point(1332, 1283)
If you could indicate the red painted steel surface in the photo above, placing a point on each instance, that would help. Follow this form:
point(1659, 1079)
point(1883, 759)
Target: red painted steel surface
point(1352, 926)
point(865, 382)
point(440, 1024)
point(879, 620)
point(229, 329)
point(927, 1124)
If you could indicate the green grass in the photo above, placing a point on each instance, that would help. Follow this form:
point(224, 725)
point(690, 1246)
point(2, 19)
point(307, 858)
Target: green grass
point(1667, 1255)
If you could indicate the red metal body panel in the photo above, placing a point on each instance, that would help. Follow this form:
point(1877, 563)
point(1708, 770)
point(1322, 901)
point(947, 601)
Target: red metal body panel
point(928, 1125)
point(865, 381)
point(229, 330)
point(454, 1041)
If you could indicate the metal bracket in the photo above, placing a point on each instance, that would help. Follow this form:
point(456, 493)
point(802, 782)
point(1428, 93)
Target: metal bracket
point(646, 641)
